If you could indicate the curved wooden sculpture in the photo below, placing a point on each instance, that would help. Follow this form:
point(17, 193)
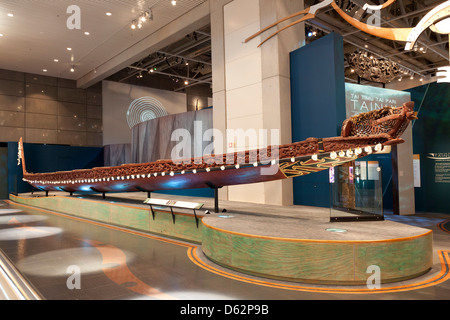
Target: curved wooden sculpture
point(310, 13)
point(361, 135)
point(408, 35)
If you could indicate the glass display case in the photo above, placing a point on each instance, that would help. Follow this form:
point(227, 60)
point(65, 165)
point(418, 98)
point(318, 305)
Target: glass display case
point(356, 192)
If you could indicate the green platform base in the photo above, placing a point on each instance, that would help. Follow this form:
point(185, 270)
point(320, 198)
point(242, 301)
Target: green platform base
point(319, 261)
point(119, 214)
point(292, 246)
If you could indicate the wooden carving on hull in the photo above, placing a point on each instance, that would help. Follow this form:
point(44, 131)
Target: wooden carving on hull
point(361, 135)
point(373, 69)
point(438, 15)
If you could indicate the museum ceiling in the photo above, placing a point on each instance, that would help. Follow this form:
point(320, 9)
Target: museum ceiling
point(184, 64)
point(28, 45)
point(431, 53)
point(169, 70)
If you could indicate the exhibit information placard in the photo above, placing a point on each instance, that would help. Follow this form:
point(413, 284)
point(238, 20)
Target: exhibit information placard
point(441, 167)
point(416, 167)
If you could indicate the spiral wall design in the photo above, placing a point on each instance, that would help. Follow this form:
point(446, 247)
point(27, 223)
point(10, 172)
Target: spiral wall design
point(144, 109)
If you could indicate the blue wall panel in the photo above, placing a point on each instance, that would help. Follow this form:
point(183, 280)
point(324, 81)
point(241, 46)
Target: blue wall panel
point(318, 107)
point(41, 158)
point(431, 134)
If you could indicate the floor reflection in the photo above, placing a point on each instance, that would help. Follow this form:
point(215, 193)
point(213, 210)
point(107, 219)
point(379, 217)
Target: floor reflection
point(9, 211)
point(20, 219)
point(417, 221)
point(116, 264)
point(28, 233)
point(89, 260)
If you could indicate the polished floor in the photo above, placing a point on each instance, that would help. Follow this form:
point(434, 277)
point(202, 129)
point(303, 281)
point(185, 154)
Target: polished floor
point(67, 258)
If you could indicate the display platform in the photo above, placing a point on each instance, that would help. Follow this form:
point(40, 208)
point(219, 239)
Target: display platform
point(291, 243)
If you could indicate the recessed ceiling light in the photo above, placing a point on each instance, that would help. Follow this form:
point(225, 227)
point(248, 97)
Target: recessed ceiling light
point(1, 34)
point(10, 15)
point(45, 70)
point(56, 60)
point(69, 49)
point(87, 33)
point(109, 14)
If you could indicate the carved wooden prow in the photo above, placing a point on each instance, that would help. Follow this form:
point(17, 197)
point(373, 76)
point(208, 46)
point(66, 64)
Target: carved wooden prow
point(21, 157)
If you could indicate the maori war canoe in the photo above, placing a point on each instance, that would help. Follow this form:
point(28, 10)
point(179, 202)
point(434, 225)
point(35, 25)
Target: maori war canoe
point(361, 135)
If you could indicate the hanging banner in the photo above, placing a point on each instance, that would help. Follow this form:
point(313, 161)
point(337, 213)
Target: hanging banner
point(361, 98)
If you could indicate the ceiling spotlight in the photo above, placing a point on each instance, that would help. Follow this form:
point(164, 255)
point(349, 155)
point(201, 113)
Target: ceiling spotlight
point(10, 15)
point(174, 3)
point(186, 82)
point(72, 69)
point(1, 34)
point(133, 25)
point(87, 33)
point(56, 60)
point(69, 49)
point(45, 70)
point(109, 14)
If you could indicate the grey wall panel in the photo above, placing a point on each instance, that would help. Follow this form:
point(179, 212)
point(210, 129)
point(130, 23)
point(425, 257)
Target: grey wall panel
point(12, 88)
point(41, 106)
point(117, 154)
point(12, 103)
point(49, 110)
point(41, 121)
point(152, 140)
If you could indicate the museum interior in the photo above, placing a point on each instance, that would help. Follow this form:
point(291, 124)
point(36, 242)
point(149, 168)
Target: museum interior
point(224, 150)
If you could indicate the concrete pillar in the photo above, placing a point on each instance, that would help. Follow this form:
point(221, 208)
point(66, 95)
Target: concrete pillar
point(403, 176)
point(218, 79)
point(251, 85)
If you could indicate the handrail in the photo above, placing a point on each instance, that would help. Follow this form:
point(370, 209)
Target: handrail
point(13, 286)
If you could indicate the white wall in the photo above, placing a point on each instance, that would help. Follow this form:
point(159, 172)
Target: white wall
point(117, 98)
point(255, 92)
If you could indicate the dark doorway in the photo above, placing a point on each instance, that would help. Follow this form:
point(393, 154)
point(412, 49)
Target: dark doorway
point(3, 171)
